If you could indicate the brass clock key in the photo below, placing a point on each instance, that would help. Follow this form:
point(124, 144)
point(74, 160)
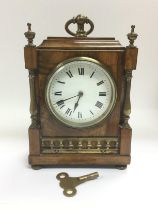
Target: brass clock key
point(69, 183)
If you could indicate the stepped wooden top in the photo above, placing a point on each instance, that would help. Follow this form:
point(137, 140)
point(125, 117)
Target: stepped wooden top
point(73, 43)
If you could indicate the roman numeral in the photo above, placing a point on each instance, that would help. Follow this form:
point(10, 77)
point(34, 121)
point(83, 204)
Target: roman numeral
point(61, 102)
point(99, 104)
point(58, 93)
point(91, 112)
point(69, 73)
point(68, 111)
point(79, 114)
point(102, 93)
point(92, 74)
point(61, 82)
point(81, 71)
point(62, 106)
point(99, 83)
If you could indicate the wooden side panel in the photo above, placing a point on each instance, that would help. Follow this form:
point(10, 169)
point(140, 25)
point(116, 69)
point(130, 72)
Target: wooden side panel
point(34, 141)
point(131, 58)
point(125, 142)
point(30, 55)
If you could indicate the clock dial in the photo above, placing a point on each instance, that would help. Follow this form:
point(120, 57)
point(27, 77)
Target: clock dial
point(80, 92)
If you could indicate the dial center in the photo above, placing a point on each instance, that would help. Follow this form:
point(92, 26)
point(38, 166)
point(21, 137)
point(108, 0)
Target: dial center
point(80, 93)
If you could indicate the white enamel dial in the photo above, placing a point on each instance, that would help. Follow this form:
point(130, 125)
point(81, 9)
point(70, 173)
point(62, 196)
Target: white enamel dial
point(80, 92)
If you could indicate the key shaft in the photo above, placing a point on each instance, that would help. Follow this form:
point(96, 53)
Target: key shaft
point(88, 177)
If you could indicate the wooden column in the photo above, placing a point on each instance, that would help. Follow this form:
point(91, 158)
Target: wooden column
point(130, 64)
point(30, 55)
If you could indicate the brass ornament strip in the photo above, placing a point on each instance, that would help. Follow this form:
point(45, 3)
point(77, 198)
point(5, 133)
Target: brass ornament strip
point(105, 145)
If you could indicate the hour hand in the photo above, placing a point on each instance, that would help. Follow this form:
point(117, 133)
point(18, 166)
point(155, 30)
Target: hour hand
point(80, 94)
point(76, 105)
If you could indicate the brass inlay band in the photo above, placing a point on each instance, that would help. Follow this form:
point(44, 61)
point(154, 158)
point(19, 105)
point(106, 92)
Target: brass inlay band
point(107, 145)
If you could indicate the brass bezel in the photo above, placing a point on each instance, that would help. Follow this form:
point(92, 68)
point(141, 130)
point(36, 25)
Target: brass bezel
point(104, 115)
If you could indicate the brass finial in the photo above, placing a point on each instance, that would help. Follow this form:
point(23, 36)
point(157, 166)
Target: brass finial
point(29, 26)
point(80, 20)
point(30, 35)
point(132, 36)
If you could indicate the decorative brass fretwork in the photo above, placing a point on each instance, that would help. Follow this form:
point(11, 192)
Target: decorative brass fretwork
point(80, 20)
point(30, 35)
point(132, 36)
point(107, 145)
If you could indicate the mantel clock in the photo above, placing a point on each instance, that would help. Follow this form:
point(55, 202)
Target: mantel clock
point(80, 98)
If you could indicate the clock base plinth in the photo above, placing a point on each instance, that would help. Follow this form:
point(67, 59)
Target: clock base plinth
point(76, 160)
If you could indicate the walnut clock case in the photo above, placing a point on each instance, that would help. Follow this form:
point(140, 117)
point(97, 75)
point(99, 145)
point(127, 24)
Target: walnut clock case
point(80, 98)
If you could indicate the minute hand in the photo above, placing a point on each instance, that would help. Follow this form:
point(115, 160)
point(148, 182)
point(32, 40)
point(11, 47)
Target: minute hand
point(62, 101)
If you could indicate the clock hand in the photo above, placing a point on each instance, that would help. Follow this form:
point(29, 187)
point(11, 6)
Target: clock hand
point(80, 94)
point(76, 104)
point(62, 101)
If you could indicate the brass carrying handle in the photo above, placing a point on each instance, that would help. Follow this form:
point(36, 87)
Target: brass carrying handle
point(80, 20)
